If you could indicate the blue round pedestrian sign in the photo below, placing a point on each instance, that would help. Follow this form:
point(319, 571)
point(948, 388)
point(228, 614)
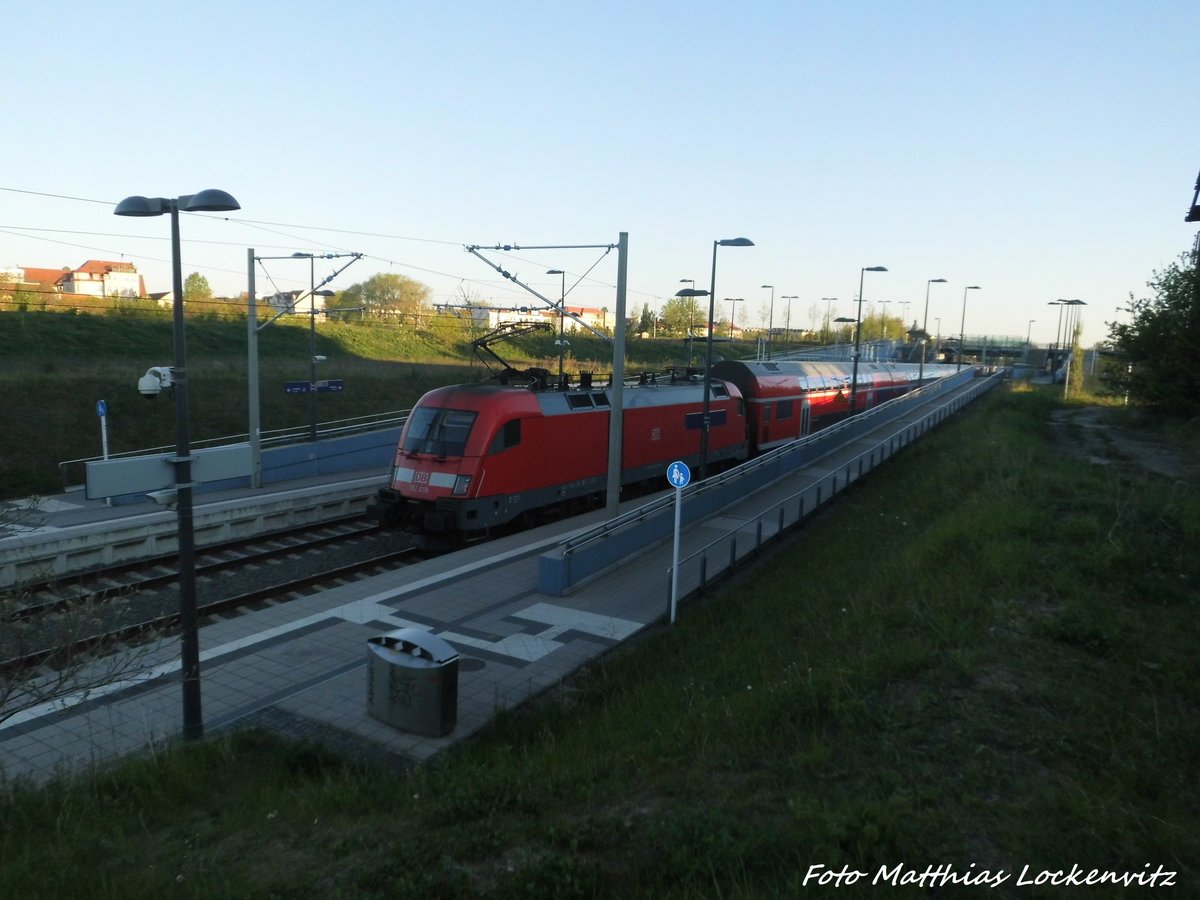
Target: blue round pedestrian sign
point(101, 408)
point(678, 474)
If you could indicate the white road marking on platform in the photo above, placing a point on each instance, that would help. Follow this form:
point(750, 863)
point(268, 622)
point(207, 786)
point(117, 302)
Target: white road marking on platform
point(564, 619)
point(525, 647)
point(532, 647)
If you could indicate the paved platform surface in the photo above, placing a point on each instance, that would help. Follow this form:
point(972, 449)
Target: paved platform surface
point(300, 667)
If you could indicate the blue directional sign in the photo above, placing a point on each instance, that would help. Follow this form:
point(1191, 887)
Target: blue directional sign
point(678, 474)
point(101, 408)
point(332, 386)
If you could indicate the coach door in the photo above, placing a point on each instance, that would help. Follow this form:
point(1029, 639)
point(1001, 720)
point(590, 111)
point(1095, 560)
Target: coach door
point(805, 418)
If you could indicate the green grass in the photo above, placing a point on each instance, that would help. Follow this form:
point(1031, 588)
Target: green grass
point(984, 655)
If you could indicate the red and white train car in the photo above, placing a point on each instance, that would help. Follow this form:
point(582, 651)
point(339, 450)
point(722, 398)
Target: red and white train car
point(788, 399)
point(475, 457)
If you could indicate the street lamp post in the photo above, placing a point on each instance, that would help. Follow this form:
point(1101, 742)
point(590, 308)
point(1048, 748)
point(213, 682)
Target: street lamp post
point(924, 327)
point(731, 301)
point(770, 322)
point(837, 337)
point(787, 321)
point(1058, 328)
point(707, 416)
point(858, 335)
point(206, 201)
point(562, 312)
point(829, 301)
point(691, 324)
point(312, 337)
point(1072, 325)
point(963, 324)
point(1057, 354)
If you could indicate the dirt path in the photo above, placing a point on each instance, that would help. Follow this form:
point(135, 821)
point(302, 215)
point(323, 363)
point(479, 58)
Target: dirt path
point(1082, 432)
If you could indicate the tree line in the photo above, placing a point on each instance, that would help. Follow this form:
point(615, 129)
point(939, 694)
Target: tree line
point(1158, 349)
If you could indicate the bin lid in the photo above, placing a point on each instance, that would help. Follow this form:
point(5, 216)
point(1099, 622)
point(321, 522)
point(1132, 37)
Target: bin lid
point(415, 641)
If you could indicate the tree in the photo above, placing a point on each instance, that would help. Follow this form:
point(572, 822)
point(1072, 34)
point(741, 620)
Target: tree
point(681, 313)
point(1161, 344)
point(386, 295)
point(645, 323)
point(196, 289)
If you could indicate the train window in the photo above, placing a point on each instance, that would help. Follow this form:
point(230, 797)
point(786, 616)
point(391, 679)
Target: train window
point(436, 430)
point(600, 398)
point(508, 436)
point(719, 390)
point(783, 410)
point(579, 401)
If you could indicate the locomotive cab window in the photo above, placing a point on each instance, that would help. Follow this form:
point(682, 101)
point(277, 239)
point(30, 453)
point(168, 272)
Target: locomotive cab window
point(719, 390)
point(600, 398)
point(438, 431)
point(508, 436)
point(579, 401)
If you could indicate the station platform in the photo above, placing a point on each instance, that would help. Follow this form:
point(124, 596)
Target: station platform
point(300, 668)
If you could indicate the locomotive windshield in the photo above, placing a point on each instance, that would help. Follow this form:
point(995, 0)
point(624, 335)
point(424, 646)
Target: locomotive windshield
point(437, 430)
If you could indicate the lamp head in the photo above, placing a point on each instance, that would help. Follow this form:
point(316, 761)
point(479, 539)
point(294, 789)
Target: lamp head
point(937, 280)
point(691, 292)
point(142, 206)
point(972, 287)
point(736, 242)
point(210, 200)
point(875, 269)
point(555, 272)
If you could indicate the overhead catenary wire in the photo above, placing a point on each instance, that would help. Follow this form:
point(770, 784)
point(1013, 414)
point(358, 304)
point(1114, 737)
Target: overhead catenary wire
point(266, 226)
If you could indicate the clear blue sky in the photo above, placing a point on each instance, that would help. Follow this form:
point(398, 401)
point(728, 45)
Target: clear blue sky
point(1038, 149)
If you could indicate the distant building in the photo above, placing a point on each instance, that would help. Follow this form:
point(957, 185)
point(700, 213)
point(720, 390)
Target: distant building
point(95, 278)
point(100, 278)
point(47, 280)
point(578, 317)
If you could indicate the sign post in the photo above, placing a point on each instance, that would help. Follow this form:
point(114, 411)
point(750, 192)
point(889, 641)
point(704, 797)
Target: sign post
point(678, 476)
point(102, 412)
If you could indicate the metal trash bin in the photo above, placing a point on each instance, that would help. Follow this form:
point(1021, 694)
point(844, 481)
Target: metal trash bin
point(412, 681)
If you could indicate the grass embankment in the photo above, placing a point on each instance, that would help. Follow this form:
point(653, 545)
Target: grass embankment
point(56, 366)
point(982, 658)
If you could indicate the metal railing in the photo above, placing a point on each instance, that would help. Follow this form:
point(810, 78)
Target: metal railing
point(275, 437)
point(830, 435)
point(840, 479)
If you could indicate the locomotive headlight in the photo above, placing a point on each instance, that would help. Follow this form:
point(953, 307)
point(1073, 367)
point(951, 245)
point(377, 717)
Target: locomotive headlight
point(461, 483)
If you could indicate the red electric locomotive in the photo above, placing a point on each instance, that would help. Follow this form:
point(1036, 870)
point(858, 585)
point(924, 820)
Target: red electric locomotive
point(787, 399)
point(475, 457)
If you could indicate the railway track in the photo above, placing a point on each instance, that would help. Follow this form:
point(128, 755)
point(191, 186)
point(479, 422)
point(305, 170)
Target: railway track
point(61, 621)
